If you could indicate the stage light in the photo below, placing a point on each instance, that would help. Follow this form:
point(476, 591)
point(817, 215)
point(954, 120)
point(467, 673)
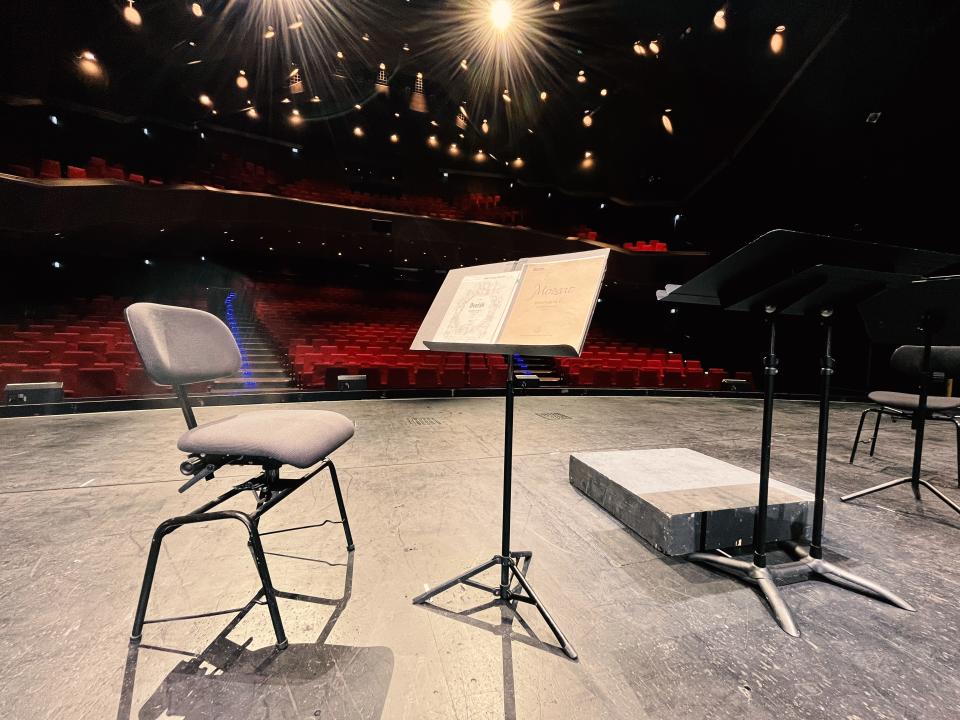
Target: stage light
point(639, 49)
point(517, 163)
point(365, 37)
point(581, 77)
point(454, 150)
point(667, 123)
point(285, 101)
point(269, 32)
point(242, 81)
point(296, 24)
point(587, 120)
point(358, 132)
point(252, 113)
point(132, 15)
point(418, 101)
point(556, 6)
point(295, 151)
point(654, 47)
point(543, 96)
point(394, 138)
point(501, 13)
point(433, 142)
point(56, 264)
point(720, 19)
point(587, 155)
point(484, 127)
point(89, 66)
point(603, 92)
point(197, 9)
point(603, 205)
point(781, 28)
point(146, 262)
point(54, 120)
point(463, 64)
point(315, 99)
point(146, 132)
point(776, 40)
point(203, 136)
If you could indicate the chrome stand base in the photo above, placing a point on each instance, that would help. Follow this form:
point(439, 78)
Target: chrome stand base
point(804, 566)
point(903, 481)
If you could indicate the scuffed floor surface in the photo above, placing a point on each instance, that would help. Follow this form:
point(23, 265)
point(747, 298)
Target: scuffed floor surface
point(657, 637)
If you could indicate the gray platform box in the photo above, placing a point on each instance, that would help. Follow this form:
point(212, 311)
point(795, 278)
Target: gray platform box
point(682, 501)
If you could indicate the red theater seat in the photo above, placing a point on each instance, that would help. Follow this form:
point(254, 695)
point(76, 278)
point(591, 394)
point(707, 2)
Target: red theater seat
point(452, 378)
point(97, 382)
point(374, 377)
point(398, 377)
point(50, 169)
point(427, 378)
point(673, 377)
point(34, 358)
point(626, 377)
point(648, 378)
point(139, 383)
point(80, 358)
point(76, 173)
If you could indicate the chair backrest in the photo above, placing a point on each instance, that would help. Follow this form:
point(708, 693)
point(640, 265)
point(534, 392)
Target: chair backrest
point(180, 346)
point(908, 359)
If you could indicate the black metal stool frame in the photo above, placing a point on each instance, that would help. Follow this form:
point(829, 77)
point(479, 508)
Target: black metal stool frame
point(898, 414)
point(270, 489)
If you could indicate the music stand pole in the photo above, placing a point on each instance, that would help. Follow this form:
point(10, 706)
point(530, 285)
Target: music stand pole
point(507, 559)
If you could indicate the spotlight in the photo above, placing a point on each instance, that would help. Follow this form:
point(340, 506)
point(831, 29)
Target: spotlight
point(132, 15)
point(57, 265)
point(480, 156)
point(506, 96)
point(269, 32)
point(581, 77)
point(295, 118)
point(242, 81)
point(501, 13)
point(587, 155)
point(89, 66)
point(394, 138)
point(433, 142)
point(358, 132)
point(720, 19)
point(296, 24)
point(654, 47)
point(639, 49)
point(315, 99)
point(463, 64)
point(252, 113)
point(146, 132)
point(454, 150)
point(667, 123)
point(205, 100)
point(484, 127)
point(603, 92)
point(517, 163)
point(587, 120)
point(543, 96)
point(776, 40)
point(197, 9)
point(54, 120)
point(146, 262)
point(556, 6)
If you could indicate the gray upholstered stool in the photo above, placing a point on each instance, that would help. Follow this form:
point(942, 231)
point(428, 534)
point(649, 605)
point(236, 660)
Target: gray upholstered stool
point(900, 405)
point(180, 346)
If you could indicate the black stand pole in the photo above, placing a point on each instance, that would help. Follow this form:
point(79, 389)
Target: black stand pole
point(806, 562)
point(507, 559)
point(919, 422)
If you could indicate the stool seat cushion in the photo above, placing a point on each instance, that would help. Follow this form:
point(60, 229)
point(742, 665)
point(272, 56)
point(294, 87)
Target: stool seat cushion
point(293, 437)
point(907, 401)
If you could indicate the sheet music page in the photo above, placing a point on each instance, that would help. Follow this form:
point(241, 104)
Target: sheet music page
point(554, 303)
point(476, 313)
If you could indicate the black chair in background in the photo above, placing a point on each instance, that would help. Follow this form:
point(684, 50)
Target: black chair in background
point(903, 406)
point(180, 346)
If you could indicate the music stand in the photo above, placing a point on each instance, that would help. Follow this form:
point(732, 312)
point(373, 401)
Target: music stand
point(920, 313)
point(508, 559)
point(777, 275)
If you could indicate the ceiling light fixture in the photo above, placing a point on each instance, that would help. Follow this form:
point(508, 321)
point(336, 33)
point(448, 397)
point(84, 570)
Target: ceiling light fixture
point(132, 15)
point(269, 32)
point(720, 19)
point(197, 9)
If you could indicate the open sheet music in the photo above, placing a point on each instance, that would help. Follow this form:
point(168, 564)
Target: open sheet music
point(537, 306)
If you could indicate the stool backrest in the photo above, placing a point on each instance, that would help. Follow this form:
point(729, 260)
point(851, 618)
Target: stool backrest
point(908, 359)
point(180, 346)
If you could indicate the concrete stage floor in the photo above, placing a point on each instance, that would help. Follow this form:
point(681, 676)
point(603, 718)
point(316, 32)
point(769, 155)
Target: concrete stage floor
point(657, 637)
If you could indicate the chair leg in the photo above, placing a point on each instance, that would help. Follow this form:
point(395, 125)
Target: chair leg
point(343, 509)
point(956, 422)
point(856, 440)
point(256, 549)
point(876, 431)
point(147, 585)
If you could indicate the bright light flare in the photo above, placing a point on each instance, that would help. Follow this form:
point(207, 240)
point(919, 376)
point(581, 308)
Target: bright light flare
point(501, 13)
point(197, 9)
point(523, 45)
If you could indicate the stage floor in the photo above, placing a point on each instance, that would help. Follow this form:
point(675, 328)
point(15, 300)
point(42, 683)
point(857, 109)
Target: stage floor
point(657, 637)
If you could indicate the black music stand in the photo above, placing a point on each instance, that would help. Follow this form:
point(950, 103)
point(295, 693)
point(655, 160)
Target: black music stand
point(508, 559)
point(777, 275)
point(919, 313)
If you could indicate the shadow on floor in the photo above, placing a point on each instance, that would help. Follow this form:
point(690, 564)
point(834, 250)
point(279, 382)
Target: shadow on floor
point(228, 680)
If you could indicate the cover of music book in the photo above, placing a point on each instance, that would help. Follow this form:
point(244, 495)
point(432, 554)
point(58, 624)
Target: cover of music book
point(538, 306)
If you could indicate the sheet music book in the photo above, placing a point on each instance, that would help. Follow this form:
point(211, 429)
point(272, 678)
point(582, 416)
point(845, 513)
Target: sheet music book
point(537, 306)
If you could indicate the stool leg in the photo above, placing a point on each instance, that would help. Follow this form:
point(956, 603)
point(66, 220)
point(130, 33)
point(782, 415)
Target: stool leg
point(957, 423)
point(856, 440)
point(876, 431)
point(343, 509)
